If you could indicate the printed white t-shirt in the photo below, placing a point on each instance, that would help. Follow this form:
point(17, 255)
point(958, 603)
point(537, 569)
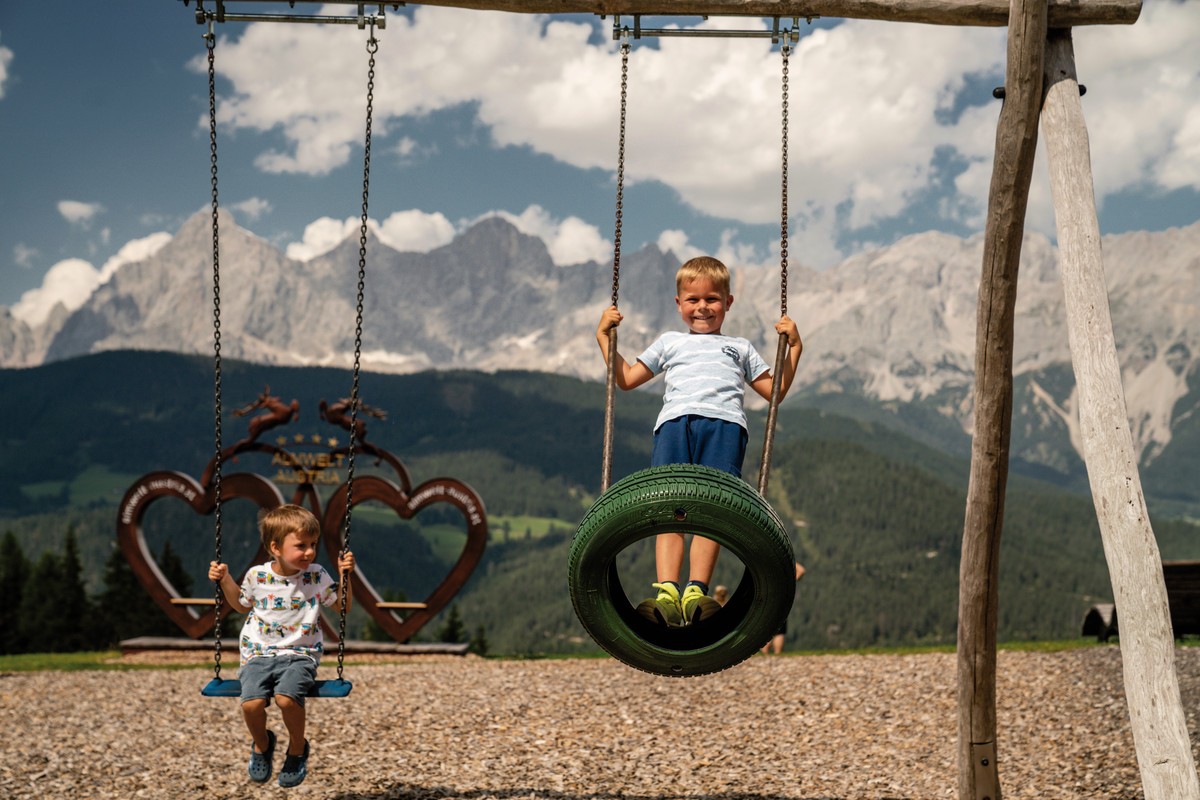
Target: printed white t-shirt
point(285, 611)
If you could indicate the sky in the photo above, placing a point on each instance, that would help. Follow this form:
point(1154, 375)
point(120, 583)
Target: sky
point(104, 147)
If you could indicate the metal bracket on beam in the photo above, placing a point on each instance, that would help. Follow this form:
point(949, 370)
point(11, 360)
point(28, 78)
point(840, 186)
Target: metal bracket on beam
point(776, 34)
point(361, 19)
point(999, 92)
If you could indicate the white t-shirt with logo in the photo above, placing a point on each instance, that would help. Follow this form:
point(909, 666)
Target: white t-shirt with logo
point(706, 374)
point(285, 611)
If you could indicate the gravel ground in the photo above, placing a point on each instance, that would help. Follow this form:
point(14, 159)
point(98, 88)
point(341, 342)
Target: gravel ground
point(879, 726)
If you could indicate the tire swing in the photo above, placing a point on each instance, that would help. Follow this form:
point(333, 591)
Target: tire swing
point(339, 687)
point(690, 499)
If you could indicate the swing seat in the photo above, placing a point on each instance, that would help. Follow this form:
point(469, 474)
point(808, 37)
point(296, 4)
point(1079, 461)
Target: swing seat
point(219, 687)
point(682, 498)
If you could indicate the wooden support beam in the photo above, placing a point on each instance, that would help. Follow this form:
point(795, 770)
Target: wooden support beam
point(1156, 714)
point(979, 570)
point(985, 13)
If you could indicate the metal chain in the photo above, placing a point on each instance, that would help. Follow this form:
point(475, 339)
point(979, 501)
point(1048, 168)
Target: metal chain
point(616, 279)
point(210, 40)
point(610, 386)
point(764, 468)
point(783, 220)
point(372, 48)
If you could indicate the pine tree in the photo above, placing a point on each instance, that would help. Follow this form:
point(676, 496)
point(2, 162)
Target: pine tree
point(172, 569)
point(479, 642)
point(125, 607)
point(41, 628)
point(14, 572)
point(72, 600)
point(453, 629)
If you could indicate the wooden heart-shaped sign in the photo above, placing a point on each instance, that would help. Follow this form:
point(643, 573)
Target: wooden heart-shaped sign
point(176, 485)
point(408, 504)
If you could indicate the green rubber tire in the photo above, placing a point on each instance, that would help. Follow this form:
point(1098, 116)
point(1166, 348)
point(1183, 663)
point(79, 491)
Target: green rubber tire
point(682, 498)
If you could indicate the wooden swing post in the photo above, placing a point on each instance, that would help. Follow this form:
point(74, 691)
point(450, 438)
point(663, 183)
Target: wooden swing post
point(1151, 685)
point(979, 570)
point(1160, 733)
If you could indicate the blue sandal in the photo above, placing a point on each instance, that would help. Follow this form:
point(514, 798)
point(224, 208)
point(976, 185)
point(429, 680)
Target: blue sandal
point(261, 764)
point(295, 769)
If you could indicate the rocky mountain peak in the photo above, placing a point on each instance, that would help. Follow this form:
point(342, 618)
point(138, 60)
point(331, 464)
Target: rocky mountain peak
point(896, 324)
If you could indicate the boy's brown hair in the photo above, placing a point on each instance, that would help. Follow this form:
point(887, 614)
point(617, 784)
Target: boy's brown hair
point(276, 524)
point(703, 267)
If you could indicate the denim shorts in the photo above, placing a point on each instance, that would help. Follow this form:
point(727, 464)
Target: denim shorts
point(693, 439)
point(266, 676)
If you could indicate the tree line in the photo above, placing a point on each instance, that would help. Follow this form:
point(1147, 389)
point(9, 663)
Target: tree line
point(45, 606)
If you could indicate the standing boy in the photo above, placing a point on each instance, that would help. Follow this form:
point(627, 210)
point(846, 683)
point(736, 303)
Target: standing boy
point(703, 420)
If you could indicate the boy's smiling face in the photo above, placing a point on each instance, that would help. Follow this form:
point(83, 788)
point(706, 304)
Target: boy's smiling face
point(295, 554)
point(702, 305)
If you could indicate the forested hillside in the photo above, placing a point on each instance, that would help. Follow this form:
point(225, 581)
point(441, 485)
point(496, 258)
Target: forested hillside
point(875, 516)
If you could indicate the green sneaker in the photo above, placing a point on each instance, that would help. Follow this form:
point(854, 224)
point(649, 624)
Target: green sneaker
point(664, 609)
point(696, 605)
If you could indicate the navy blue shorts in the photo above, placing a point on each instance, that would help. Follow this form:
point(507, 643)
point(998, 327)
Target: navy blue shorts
point(693, 439)
point(266, 676)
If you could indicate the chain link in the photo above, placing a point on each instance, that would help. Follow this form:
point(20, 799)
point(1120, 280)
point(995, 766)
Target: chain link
point(764, 468)
point(616, 278)
point(355, 403)
point(783, 219)
point(210, 42)
point(610, 384)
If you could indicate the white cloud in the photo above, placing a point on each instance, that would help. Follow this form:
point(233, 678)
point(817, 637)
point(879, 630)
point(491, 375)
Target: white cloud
point(1141, 107)
point(409, 149)
point(78, 213)
point(133, 251)
point(6, 57)
point(676, 241)
point(321, 236)
point(252, 208)
point(730, 251)
point(70, 282)
point(1142, 119)
point(409, 231)
point(24, 255)
point(570, 241)
point(156, 219)
point(870, 104)
point(415, 231)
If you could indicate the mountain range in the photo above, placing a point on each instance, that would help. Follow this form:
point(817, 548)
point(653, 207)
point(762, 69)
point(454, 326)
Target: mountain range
point(889, 334)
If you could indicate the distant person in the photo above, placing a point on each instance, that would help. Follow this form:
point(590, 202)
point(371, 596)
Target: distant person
point(702, 421)
point(721, 595)
point(281, 640)
point(776, 644)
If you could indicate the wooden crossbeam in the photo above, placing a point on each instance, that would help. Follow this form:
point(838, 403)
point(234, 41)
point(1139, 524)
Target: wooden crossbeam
point(193, 601)
point(979, 13)
point(390, 604)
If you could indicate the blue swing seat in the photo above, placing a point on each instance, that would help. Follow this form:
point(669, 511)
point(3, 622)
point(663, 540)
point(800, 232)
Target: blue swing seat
point(219, 687)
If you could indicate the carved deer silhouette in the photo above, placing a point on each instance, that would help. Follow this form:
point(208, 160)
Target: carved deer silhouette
point(338, 413)
point(276, 413)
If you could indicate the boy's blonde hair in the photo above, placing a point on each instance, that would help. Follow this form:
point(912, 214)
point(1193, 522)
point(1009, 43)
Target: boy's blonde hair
point(276, 524)
point(703, 267)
